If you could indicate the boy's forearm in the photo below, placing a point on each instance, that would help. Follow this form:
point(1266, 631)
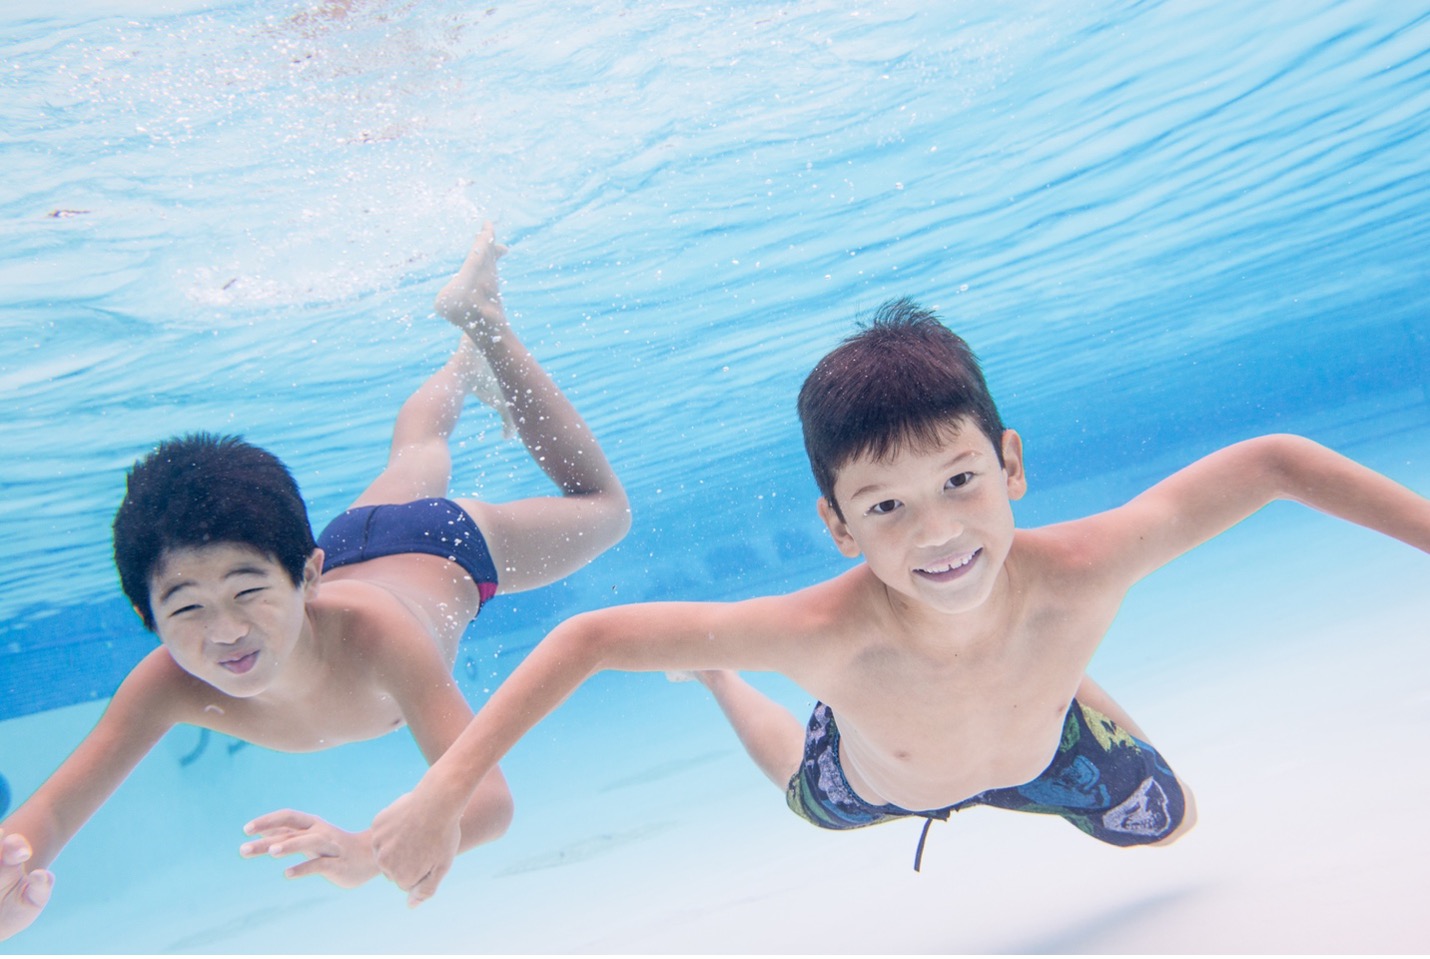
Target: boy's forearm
point(548, 675)
point(42, 831)
point(1334, 484)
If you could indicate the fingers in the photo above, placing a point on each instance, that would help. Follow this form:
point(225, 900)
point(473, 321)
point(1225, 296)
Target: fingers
point(268, 844)
point(291, 843)
point(283, 818)
point(310, 867)
point(289, 832)
point(14, 849)
point(22, 894)
point(425, 888)
point(37, 887)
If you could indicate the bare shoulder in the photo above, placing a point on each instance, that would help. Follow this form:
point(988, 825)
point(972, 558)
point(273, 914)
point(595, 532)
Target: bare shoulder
point(1073, 557)
point(157, 693)
point(367, 621)
point(846, 603)
point(807, 629)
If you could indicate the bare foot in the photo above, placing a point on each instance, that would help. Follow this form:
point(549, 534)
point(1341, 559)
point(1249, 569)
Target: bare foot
point(471, 300)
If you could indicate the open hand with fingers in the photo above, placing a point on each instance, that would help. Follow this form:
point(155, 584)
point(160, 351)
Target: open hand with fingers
point(343, 858)
point(22, 894)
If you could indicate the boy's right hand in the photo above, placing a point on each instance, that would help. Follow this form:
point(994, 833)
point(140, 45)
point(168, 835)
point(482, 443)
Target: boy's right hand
point(22, 894)
point(415, 841)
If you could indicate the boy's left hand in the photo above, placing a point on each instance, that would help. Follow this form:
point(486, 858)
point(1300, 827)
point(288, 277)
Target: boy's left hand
point(415, 843)
point(343, 858)
point(22, 894)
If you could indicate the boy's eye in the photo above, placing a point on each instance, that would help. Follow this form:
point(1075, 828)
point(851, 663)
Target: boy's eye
point(184, 609)
point(958, 479)
point(250, 592)
point(884, 506)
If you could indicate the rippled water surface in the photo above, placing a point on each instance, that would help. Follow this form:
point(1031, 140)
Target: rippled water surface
point(1164, 226)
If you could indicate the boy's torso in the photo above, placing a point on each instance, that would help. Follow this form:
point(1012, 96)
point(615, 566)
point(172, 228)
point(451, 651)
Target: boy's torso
point(364, 614)
point(933, 710)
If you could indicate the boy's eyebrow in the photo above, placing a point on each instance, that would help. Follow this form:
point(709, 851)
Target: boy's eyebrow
point(174, 589)
point(947, 464)
point(236, 571)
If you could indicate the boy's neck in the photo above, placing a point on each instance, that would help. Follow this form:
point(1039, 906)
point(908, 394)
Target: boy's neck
point(937, 632)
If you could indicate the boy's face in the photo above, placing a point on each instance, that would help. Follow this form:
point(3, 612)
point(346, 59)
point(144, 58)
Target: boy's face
point(933, 525)
point(229, 614)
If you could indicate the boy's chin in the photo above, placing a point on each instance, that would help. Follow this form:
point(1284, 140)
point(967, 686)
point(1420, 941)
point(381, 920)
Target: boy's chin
point(236, 685)
point(945, 599)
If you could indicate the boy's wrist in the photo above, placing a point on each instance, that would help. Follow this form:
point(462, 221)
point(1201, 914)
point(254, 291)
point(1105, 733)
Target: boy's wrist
point(444, 791)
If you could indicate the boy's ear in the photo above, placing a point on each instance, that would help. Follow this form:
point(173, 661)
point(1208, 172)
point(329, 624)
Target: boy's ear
point(1013, 464)
point(312, 573)
point(837, 529)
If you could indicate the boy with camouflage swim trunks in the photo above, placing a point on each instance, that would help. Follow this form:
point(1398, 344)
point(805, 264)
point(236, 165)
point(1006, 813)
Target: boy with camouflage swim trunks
point(955, 655)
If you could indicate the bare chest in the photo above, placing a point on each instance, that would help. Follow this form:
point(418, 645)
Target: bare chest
point(924, 733)
point(333, 716)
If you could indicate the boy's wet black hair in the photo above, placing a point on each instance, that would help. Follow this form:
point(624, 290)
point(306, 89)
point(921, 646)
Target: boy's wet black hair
point(204, 489)
point(899, 381)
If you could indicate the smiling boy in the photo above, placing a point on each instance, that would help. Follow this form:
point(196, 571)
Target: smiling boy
point(950, 666)
point(300, 645)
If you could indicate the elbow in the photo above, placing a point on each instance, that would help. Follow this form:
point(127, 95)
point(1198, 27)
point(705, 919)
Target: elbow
point(503, 811)
point(582, 643)
point(1283, 462)
point(620, 510)
point(611, 519)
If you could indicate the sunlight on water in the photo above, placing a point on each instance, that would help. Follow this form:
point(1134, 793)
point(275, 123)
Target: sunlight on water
point(1163, 226)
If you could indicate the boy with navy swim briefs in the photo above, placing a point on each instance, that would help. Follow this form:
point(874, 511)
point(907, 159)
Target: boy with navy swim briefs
point(297, 644)
point(950, 666)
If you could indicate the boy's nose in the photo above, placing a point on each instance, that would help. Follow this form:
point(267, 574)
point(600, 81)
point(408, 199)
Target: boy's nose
point(940, 528)
point(226, 629)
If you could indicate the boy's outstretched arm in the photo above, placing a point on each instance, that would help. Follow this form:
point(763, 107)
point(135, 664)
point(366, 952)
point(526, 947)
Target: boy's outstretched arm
point(137, 717)
point(1219, 490)
point(436, 714)
point(416, 838)
point(539, 540)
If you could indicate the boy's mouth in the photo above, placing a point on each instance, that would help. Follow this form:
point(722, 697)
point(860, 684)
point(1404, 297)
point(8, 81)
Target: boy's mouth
point(950, 567)
point(240, 664)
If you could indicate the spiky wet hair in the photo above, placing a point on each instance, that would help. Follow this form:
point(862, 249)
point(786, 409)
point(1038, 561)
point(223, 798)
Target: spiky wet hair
point(204, 489)
point(899, 381)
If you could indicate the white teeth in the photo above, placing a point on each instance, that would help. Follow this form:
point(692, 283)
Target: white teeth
point(951, 566)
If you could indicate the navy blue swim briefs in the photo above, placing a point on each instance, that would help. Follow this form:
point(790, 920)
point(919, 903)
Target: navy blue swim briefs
point(436, 527)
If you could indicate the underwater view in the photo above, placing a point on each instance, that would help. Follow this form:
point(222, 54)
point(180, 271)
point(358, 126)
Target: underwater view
point(1164, 227)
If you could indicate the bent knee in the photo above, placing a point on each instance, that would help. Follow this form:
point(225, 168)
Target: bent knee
point(1189, 818)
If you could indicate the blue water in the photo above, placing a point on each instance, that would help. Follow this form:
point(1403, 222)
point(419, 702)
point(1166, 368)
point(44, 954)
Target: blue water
point(1164, 227)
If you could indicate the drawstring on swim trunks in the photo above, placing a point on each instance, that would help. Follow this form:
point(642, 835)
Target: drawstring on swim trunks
point(929, 817)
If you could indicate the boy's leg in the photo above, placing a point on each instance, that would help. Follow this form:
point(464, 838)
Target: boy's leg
point(537, 540)
point(773, 738)
point(1091, 694)
point(419, 462)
